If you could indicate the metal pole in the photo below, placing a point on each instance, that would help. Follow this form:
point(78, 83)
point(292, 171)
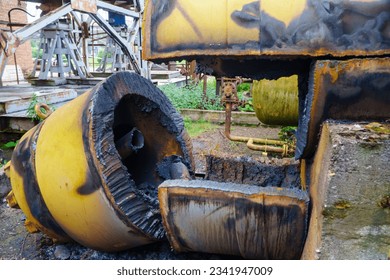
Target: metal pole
point(10, 27)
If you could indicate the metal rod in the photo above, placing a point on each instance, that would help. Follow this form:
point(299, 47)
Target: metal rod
point(10, 27)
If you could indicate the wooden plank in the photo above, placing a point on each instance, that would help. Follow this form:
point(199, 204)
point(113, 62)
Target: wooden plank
point(20, 121)
point(19, 101)
point(165, 74)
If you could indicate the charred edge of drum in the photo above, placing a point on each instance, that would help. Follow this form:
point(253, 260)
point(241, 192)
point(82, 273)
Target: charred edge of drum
point(93, 182)
point(23, 161)
point(119, 181)
point(305, 107)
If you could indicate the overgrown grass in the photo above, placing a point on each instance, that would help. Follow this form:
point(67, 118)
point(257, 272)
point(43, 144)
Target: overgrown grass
point(191, 97)
point(195, 128)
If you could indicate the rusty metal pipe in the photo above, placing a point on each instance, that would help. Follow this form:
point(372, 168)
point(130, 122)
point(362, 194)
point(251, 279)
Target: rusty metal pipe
point(131, 143)
point(284, 150)
point(265, 148)
point(10, 27)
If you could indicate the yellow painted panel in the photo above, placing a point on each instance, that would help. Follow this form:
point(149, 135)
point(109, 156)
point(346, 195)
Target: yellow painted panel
point(193, 22)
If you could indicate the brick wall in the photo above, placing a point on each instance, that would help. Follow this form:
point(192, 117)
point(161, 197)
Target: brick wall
point(23, 54)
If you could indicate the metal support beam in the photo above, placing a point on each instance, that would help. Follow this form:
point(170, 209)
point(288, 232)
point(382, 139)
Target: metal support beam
point(23, 34)
point(118, 39)
point(13, 40)
point(116, 9)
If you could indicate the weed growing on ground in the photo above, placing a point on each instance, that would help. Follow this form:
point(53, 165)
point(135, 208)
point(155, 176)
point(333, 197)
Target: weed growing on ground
point(191, 97)
point(195, 128)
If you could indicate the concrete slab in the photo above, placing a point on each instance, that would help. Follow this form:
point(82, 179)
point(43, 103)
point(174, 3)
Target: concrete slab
point(350, 193)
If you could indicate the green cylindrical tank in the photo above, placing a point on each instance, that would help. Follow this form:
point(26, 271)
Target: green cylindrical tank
point(276, 101)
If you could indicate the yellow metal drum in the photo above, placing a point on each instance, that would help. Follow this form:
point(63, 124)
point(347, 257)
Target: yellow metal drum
point(80, 181)
point(276, 101)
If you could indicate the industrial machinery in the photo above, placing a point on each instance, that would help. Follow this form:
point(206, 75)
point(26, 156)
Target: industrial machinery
point(118, 173)
point(338, 49)
point(66, 28)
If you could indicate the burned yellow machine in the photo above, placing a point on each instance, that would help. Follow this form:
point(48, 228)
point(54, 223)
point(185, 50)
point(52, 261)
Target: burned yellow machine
point(113, 169)
point(339, 50)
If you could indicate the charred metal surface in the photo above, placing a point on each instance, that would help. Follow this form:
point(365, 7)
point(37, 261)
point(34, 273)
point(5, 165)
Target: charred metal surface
point(354, 89)
point(283, 173)
point(23, 160)
point(130, 143)
point(255, 68)
point(125, 101)
point(172, 167)
point(254, 28)
point(251, 221)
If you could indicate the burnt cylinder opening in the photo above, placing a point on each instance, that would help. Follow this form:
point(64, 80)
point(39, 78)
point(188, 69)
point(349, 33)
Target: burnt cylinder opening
point(146, 131)
point(131, 143)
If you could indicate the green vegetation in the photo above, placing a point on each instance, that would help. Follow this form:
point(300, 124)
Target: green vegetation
point(3, 162)
point(195, 128)
point(31, 108)
point(378, 128)
point(34, 48)
point(9, 145)
point(191, 97)
point(244, 87)
point(287, 134)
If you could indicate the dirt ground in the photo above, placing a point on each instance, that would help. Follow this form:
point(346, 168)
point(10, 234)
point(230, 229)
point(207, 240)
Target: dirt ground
point(17, 243)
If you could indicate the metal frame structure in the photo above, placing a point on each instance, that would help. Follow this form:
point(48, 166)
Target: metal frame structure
point(9, 41)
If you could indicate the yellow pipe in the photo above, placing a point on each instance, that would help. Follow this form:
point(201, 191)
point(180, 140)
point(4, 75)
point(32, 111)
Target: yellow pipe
point(281, 150)
point(284, 150)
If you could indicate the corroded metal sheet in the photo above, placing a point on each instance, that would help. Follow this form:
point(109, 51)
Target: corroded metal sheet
point(311, 28)
point(250, 221)
point(356, 89)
